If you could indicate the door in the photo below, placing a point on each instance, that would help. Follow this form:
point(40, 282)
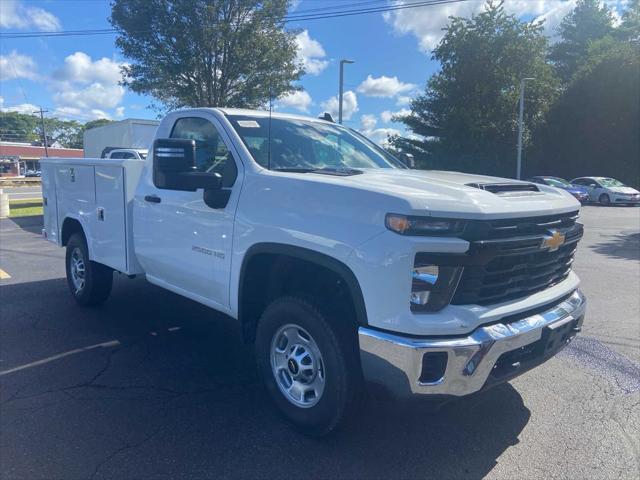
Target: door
point(183, 239)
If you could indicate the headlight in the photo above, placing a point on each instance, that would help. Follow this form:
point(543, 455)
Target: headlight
point(412, 225)
point(433, 286)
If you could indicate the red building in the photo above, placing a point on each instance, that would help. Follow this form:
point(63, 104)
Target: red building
point(18, 158)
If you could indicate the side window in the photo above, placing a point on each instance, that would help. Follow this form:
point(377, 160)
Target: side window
point(116, 155)
point(212, 155)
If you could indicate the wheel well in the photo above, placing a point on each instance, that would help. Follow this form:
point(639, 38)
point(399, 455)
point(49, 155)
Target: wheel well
point(266, 276)
point(69, 227)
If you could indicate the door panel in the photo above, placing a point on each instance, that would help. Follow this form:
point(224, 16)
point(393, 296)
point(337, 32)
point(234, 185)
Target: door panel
point(181, 240)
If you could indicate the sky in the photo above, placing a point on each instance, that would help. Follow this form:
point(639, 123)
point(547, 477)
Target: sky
point(77, 78)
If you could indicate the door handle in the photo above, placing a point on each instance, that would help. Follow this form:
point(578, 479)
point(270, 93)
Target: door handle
point(152, 199)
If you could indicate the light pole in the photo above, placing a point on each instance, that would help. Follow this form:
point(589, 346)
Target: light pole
point(342, 62)
point(520, 122)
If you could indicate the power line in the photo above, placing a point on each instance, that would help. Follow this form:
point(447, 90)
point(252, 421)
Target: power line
point(325, 13)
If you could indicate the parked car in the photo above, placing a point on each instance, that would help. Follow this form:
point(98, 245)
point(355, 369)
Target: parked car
point(581, 193)
point(606, 191)
point(33, 173)
point(342, 266)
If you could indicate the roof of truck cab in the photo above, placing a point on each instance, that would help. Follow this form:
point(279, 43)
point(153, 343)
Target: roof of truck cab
point(265, 113)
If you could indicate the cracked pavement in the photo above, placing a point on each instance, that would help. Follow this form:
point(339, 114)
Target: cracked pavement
point(178, 395)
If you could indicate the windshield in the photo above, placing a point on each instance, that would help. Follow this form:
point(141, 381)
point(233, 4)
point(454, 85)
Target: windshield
point(299, 145)
point(610, 182)
point(557, 182)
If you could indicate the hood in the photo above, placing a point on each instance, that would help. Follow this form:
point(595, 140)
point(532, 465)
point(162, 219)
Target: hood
point(450, 194)
point(622, 190)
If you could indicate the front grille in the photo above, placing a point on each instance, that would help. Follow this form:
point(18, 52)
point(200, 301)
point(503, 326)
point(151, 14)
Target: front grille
point(510, 260)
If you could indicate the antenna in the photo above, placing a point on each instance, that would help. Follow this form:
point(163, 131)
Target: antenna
point(269, 134)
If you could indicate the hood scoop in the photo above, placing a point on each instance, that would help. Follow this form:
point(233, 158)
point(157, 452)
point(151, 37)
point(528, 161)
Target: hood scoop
point(507, 189)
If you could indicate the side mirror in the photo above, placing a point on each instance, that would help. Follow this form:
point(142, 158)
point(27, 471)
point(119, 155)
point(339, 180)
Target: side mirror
point(174, 167)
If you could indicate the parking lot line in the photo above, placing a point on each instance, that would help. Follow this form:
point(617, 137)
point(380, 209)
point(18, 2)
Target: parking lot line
point(4, 275)
point(109, 344)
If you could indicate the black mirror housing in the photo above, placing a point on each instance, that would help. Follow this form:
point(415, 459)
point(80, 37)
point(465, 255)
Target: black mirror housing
point(174, 167)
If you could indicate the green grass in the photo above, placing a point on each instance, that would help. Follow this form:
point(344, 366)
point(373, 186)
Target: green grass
point(25, 208)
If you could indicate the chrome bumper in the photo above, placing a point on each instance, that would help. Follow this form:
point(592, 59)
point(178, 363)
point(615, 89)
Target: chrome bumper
point(396, 362)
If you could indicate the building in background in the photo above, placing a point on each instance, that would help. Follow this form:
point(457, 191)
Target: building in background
point(17, 159)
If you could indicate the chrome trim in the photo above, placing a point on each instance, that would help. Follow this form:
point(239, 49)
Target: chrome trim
point(395, 361)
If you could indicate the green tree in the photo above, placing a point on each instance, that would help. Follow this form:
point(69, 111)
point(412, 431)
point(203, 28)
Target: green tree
point(594, 127)
point(100, 122)
point(467, 117)
point(233, 53)
point(587, 22)
point(629, 28)
point(18, 127)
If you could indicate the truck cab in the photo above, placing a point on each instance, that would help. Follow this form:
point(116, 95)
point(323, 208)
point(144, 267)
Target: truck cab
point(348, 271)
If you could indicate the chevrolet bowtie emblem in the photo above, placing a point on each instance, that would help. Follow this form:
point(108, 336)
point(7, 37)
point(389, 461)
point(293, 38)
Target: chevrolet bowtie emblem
point(553, 241)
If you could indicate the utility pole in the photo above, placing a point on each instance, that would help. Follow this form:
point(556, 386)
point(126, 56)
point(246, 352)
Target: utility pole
point(342, 62)
point(520, 127)
point(44, 133)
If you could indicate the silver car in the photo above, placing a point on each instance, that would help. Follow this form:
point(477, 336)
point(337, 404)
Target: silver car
point(607, 191)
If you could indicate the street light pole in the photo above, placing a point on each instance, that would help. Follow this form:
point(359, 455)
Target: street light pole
point(44, 132)
point(520, 127)
point(340, 93)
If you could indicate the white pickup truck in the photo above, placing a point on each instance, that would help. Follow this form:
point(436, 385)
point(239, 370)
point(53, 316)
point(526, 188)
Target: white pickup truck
point(345, 269)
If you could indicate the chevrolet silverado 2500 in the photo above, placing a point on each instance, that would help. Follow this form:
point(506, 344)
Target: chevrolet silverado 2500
point(342, 266)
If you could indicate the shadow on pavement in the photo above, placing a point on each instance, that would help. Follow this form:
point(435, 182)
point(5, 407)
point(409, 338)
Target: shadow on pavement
point(31, 224)
point(179, 398)
point(624, 245)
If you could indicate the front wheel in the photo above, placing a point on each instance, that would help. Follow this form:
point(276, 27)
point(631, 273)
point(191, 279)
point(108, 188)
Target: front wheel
point(604, 199)
point(308, 364)
point(89, 282)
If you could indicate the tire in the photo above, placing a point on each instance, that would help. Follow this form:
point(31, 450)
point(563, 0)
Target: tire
point(89, 282)
point(325, 356)
point(604, 199)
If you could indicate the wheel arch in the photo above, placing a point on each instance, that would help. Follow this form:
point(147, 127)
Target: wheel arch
point(275, 261)
point(70, 225)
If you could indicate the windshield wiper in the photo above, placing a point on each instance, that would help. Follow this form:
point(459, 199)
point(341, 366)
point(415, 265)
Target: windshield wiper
point(339, 171)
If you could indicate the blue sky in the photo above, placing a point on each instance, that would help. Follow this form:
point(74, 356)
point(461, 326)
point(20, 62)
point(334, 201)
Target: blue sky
point(77, 77)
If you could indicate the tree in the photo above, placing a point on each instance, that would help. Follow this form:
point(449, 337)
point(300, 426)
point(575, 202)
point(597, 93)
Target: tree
point(18, 127)
point(587, 22)
point(233, 53)
point(629, 28)
point(467, 117)
point(594, 127)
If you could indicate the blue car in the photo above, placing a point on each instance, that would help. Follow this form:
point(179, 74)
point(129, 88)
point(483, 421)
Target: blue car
point(581, 193)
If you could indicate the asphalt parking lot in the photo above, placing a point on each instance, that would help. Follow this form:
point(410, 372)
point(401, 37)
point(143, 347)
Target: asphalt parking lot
point(152, 385)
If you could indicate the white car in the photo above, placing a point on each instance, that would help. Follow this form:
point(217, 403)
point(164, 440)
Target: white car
point(607, 191)
point(342, 266)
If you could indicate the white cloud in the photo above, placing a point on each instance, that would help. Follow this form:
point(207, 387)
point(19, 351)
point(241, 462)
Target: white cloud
point(403, 100)
point(427, 23)
point(349, 105)
point(368, 123)
point(384, 86)
point(16, 65)
point(73, 113)
point(27, 108)
point(387, 115)
point(311, 54)
point(13, 14)
point(380, 135)
point(120, 112)
point(79, 68)
point(299, 100)
point(86, 88)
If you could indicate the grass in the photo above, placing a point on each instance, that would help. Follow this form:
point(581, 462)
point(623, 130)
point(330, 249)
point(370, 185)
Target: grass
point(25, 208)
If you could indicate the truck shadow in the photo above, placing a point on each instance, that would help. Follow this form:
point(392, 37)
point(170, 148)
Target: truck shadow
point(624, 246)
point(31, 224)
point(179, 397)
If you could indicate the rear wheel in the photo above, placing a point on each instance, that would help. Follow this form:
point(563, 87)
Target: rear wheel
point(604, 199)
point(308, 363)
point(89, 282)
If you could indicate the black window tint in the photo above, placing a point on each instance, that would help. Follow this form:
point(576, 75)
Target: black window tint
point(116, 155)
point(212, 155)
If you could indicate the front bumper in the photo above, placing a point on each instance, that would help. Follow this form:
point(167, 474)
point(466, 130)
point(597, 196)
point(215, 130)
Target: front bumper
point(495, 353)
